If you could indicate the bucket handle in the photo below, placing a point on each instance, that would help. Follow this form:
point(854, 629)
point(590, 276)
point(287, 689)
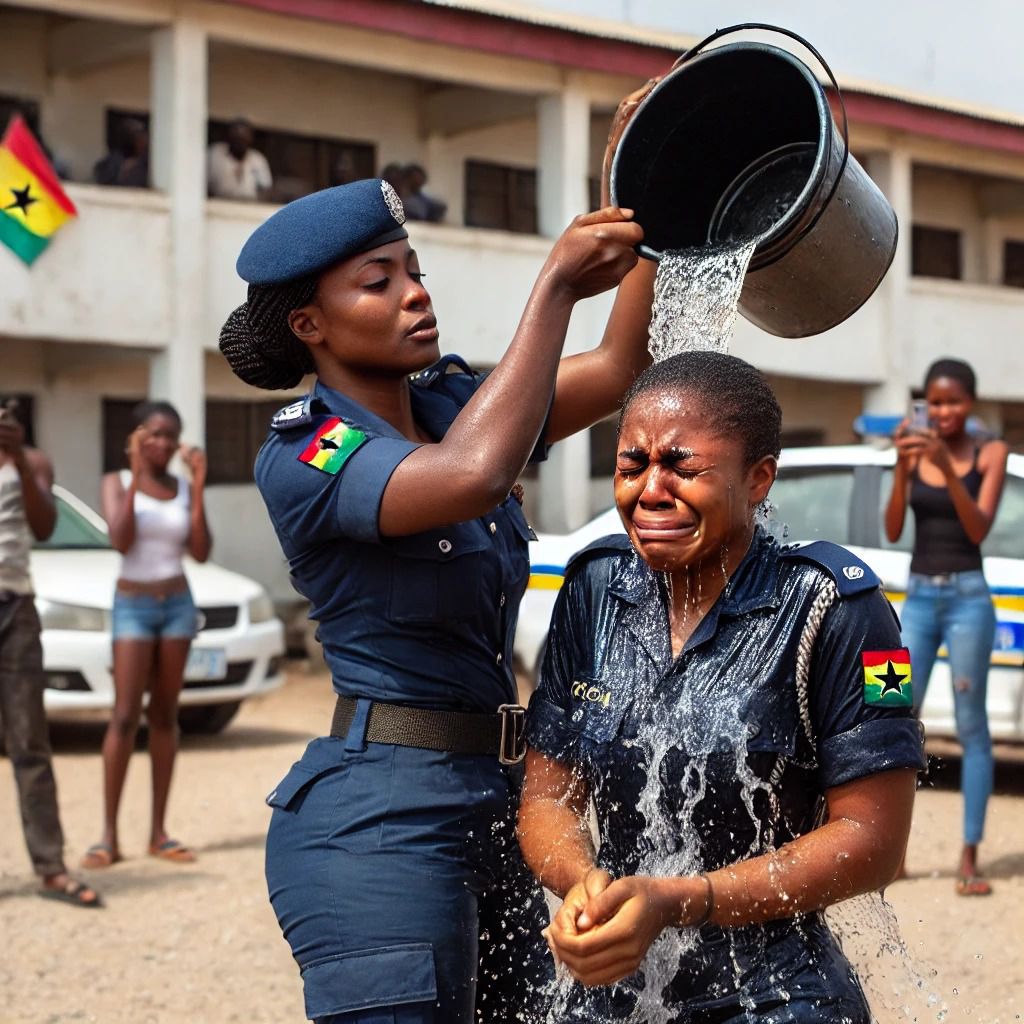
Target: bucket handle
point(763, 27)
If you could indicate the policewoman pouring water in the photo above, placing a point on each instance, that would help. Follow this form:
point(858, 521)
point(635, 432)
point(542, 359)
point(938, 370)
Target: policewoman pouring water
point(391, 859)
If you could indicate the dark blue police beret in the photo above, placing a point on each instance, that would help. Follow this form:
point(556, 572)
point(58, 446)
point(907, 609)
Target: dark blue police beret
point(316, 231)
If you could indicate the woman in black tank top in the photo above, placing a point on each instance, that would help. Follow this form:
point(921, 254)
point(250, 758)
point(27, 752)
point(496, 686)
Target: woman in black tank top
point(952, 483)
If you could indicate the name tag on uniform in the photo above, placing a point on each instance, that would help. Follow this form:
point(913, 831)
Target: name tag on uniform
point(590, 694)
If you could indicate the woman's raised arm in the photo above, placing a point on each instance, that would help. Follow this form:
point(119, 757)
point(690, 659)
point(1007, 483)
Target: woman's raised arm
point(473, 468)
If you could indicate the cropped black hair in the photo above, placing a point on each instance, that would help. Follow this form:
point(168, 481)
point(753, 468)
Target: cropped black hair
point(258, 342)
point(954, 369)
point(144, 410)
point(735, 397)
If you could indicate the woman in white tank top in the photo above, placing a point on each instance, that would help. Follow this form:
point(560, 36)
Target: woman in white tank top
point(155, 518)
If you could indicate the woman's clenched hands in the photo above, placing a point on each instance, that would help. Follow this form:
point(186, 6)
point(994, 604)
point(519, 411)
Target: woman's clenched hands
point(603, 930)
point(595, 252)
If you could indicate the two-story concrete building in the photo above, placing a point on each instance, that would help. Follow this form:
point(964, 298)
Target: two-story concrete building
point(508, 112)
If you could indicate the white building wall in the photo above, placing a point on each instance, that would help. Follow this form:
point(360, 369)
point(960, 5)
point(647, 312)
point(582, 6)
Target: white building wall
point(315, 97)
point(95, 313)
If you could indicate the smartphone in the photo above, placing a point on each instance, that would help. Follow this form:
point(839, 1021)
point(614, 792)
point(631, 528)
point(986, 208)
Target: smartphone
point(919, 421)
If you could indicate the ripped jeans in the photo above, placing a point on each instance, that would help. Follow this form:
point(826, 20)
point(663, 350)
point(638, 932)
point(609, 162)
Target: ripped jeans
point(956, 610)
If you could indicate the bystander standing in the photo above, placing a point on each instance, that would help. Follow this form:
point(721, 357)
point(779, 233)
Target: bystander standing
point(127, 164)
point(27, 510)
point(419, 205)
point(235, 170)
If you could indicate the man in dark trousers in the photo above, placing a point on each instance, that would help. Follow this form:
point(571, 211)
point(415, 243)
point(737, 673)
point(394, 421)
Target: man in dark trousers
point(27, 510)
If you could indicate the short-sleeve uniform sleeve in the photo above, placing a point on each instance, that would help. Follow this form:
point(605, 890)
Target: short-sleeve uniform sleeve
point(547, 721)
point(308, 504)
point(857, 731)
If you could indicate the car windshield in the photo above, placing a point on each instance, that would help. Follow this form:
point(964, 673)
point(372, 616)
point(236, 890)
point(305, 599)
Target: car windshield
point(73, 532)
point(814, 502)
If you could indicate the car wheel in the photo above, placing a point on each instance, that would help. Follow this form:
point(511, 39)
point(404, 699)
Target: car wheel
point(207, 719)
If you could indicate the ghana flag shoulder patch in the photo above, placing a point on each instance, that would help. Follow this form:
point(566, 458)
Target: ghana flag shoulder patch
point(887, 678)
point(334, 443)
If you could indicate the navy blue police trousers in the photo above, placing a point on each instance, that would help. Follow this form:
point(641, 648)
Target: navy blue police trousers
point(397, 882)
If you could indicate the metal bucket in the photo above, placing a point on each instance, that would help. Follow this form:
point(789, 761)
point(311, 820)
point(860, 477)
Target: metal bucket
point(738, 143)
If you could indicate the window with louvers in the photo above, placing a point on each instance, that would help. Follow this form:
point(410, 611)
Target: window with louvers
point(234, 432)
point(936, 252)
point(500, 197)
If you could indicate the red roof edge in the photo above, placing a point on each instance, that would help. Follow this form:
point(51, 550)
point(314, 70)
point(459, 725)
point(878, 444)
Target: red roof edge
point(569, 48)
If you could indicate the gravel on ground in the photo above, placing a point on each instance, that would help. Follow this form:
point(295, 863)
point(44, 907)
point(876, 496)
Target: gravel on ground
point(199, 942)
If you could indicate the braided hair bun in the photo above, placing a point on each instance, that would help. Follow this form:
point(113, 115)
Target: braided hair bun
point(258, 342)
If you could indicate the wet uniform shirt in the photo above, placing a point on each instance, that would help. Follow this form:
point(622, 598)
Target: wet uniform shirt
point(427, 619)
point(715, 756)
point(723, 754)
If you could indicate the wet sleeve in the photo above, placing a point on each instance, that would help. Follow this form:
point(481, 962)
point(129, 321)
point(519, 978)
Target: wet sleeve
point(854, 736)
point(547, 720)
point(309, 506)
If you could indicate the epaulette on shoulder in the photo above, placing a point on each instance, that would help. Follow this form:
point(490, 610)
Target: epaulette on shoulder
point(299, 414)
point(433, 373)
point(613, 544)
point(851, 574)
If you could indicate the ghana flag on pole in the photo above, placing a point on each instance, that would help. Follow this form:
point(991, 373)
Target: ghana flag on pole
point(33, 206)
point(332, 446)
point(887, 678)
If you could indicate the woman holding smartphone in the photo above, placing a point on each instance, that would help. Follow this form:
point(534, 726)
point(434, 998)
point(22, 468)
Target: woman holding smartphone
point(952, 482)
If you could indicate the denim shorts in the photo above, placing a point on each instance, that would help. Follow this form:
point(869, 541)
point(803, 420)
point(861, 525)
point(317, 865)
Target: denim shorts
point(145, 617)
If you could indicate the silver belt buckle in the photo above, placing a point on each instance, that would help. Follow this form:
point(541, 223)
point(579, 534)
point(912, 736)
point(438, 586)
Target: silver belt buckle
point(512, 746)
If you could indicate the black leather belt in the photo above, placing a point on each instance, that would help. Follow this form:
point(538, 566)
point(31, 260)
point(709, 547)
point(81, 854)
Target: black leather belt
point(499, 735)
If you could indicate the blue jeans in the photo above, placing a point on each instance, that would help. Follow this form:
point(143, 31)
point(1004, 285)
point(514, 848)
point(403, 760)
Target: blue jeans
point(957, 610)
point(145, 617)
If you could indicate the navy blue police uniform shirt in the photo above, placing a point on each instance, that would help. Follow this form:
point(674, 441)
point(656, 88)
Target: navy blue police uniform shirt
point(427, 619)
point(729, 705)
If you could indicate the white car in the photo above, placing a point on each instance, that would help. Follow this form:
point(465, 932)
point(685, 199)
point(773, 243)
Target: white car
point(839, 494)
point(237, 654)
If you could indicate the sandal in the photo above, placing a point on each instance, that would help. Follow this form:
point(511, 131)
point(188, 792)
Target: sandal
point(99, 855)
point(78, 894)
point(972, 885)
point(171, 849)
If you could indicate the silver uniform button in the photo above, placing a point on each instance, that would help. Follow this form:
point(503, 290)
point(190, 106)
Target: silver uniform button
point(493, 527)
point(501, 601)
point(445, 545)
point(499, 659)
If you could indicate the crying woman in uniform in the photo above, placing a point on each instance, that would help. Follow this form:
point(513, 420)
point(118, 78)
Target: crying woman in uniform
point(738, 713)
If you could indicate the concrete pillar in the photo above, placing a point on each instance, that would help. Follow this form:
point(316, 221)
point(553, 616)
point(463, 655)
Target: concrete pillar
point(563, 157)
point(178, 167)
point(892, 171)
point(445, 170)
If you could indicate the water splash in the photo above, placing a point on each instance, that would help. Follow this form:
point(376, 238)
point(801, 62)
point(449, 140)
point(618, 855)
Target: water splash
point(696, 295)
point(696, 734)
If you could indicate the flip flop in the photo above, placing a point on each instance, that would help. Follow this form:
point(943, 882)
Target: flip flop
point(171, 849)
point(99, 855)
point(972, 885)
point(73, 892)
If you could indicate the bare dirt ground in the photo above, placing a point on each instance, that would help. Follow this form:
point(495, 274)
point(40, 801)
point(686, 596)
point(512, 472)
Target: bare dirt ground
point(199, 943)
